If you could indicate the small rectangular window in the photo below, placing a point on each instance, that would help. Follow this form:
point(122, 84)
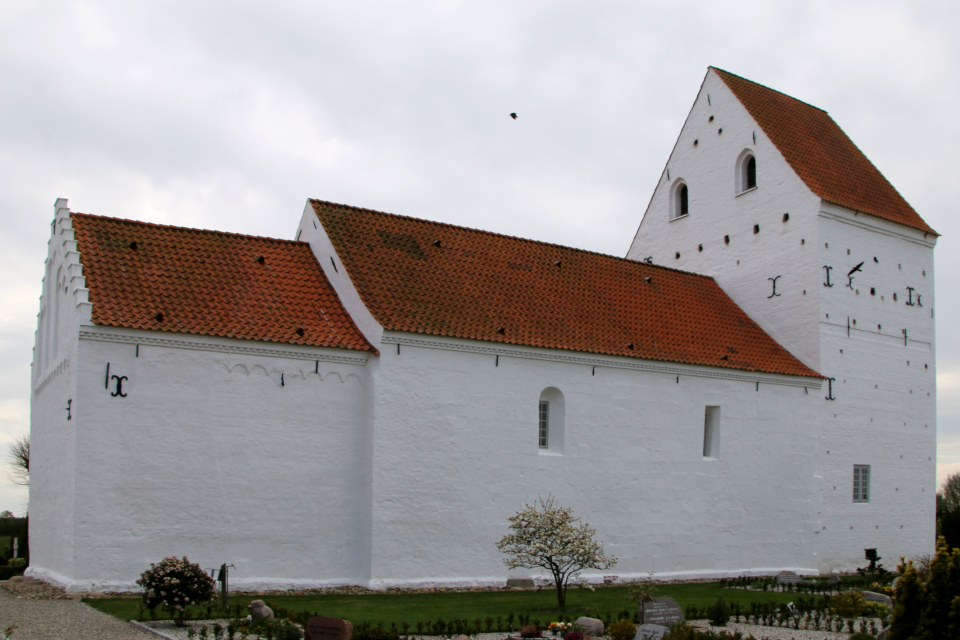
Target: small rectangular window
point(544, 424)
point(711, 432)
point(861, 483)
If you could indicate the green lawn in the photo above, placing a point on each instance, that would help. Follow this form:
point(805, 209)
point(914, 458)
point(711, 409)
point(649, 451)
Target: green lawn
point(422, 607)
point(5, 542)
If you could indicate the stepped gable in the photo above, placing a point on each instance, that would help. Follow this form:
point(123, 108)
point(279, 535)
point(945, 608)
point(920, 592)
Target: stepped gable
point(431, 278)
point(818, 150)
point(163, 278)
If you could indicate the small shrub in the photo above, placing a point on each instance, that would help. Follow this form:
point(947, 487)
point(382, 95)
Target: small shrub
point(18, 564)
point(848, 604)
point(874, 568)
point(682, 632)
point(719, 613)
point(622, 630)
point(285, 630)
point(175, 584)
point(875, 610)
point(373, 633)
point(863, 636)
point(530, 631)
point(574, 635)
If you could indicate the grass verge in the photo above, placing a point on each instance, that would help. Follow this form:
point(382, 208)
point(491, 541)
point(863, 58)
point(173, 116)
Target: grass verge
point(387, 608)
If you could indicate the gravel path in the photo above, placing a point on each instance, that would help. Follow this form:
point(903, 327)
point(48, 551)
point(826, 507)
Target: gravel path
point(773, 633)
point(46, 619)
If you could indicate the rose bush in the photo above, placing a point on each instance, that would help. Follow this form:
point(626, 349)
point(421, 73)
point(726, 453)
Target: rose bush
point(174, 584)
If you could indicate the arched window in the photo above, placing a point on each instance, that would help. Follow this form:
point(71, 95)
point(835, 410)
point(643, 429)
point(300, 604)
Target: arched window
point(550, 423)
point(680, 200)
point(746, 171)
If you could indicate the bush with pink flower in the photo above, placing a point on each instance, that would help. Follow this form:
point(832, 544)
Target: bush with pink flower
point(175, 584)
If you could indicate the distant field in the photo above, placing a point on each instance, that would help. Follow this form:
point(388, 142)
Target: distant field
point(397, 608)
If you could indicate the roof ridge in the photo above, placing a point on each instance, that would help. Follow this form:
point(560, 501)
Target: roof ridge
point(510, 237)
point(786, 95)
point(181, 228)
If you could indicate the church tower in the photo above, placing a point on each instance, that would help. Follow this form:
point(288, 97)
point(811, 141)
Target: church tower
point(766, 194)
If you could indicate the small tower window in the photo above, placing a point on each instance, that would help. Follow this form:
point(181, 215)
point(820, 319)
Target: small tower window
point(746, 171)
point(751, 173)
point(680, 205)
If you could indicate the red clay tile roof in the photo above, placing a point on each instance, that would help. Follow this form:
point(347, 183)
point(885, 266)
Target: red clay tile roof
point(151, 276)
point(438, 279)
point(821, 153)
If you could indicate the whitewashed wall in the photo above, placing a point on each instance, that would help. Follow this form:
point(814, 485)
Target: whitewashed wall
point(213, 456)
point(63, 307)
point(455, 454)
point(884, 414)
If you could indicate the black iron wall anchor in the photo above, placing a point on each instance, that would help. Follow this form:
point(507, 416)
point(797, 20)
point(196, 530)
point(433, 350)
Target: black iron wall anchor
point(910, 302)
point(69, 404)
point(850, 274)
point(774, 281)
point(828, 283)
point(830, 395)
point(119, 390)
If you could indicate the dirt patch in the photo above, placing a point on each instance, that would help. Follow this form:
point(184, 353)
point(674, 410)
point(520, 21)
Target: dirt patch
point(34, 589)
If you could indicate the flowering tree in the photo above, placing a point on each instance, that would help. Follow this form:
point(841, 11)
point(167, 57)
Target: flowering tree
point(174, 584)
point(548, 536)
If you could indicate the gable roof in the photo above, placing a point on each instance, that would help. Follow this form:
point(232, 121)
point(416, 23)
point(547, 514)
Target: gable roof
point(163, 278)
point(818, 150)
point(427, 277)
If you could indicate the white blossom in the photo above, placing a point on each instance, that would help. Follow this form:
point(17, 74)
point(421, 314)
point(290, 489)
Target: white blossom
point(548, 536)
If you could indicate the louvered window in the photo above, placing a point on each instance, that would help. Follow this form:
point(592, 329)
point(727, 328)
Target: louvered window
point(861, 483)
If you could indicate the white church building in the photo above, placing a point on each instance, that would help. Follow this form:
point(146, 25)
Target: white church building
point(751, 389)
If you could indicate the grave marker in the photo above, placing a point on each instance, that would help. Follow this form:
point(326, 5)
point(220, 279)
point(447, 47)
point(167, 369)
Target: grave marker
point(651, 632)
point(323, 628)
point(521, 583)
point(662, 611)
point(787, 577)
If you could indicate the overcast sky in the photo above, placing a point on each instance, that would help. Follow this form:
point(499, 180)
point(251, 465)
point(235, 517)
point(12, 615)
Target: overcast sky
point(229, 115)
